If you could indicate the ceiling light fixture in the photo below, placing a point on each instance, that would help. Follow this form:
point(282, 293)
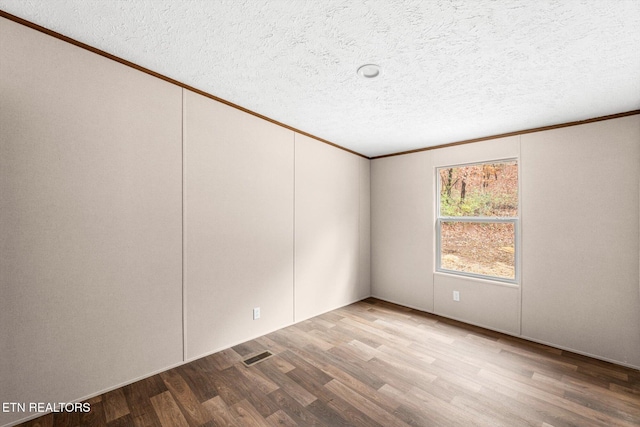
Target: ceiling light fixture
point(369, 71)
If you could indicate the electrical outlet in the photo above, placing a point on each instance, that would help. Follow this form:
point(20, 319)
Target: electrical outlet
point(456, 295)
point(256, 313)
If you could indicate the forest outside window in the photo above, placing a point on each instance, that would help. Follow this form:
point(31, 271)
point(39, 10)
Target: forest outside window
point(477, 224)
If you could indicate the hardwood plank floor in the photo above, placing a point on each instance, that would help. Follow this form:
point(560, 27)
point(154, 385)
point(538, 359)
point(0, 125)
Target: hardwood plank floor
point(376, 364)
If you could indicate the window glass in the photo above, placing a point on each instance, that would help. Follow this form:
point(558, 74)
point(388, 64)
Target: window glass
point(484, 248)
point(487, 189)
point(477, 221)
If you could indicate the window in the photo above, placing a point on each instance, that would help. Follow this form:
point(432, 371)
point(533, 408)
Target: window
point(477, 224)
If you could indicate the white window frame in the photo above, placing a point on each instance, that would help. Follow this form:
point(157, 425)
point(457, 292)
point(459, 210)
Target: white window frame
point(477, 219)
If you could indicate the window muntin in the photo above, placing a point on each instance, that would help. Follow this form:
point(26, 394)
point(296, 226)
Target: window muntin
point(477, 225)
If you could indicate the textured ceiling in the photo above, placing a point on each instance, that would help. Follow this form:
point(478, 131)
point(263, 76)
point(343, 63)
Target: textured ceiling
point(451, 70)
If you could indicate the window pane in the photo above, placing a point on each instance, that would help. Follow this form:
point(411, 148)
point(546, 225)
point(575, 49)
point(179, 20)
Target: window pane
point(478, 248)
point(487, 189)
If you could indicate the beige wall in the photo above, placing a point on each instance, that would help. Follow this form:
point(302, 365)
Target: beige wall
point(402, 230)
point(579, 281)
point(490, 304)
point(494, 305)
point(580, 243)
point(238, 225)
point(91, 272)
point(364, 228)
point(90, 228)
point(329, 270)
point(97, 162)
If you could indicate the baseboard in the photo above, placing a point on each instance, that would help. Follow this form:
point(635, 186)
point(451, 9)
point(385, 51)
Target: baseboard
point(524, 337)
point(582, 353)
point(184, 362)
point(403, 304)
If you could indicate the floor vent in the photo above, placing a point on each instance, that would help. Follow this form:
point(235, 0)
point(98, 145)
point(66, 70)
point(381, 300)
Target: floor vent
point(255, 359)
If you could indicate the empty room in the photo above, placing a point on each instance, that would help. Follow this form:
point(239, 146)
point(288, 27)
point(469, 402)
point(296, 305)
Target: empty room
point(320, 213)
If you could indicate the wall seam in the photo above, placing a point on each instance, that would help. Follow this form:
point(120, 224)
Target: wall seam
point(434, 218)
point(294, 226)
point(369, 164)
point(359, 271)
point(184, 236)
point(519, 250)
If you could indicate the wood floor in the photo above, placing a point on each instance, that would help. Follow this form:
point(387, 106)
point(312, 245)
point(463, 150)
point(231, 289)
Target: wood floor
point(376, 364)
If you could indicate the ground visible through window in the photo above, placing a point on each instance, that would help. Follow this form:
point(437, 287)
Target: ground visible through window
point(477, 222)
